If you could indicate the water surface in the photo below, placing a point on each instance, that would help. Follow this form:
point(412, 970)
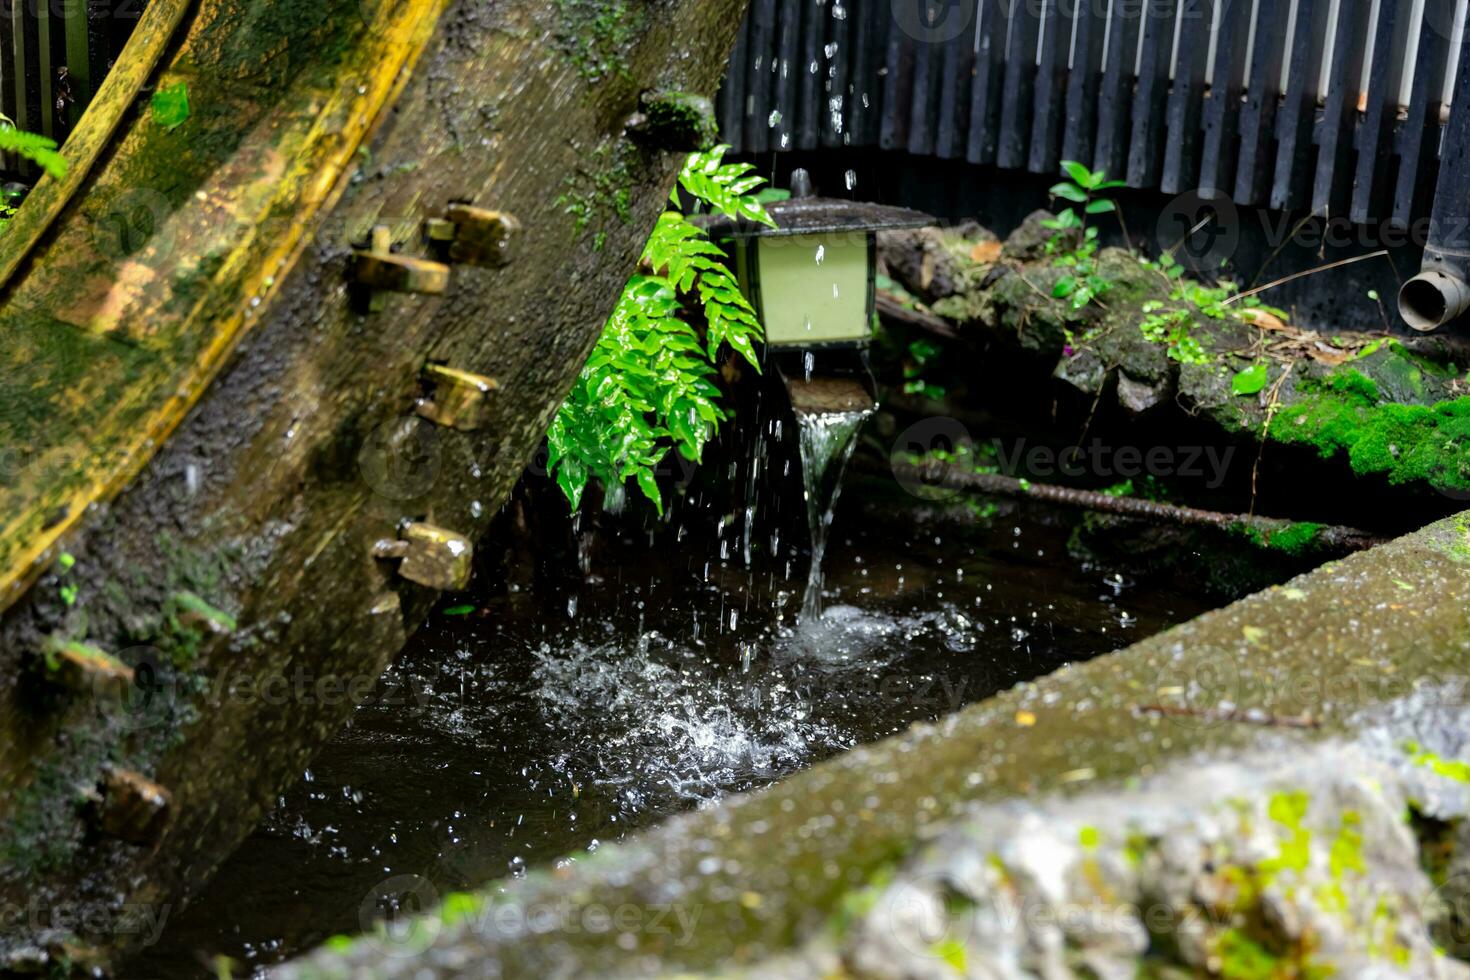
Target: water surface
point(565, 715)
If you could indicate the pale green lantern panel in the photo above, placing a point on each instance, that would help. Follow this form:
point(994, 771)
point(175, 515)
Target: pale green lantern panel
point(811, 290)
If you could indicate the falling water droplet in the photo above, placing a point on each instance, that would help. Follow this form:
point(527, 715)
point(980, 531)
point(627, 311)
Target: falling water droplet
point(774, 119)
point(821, 253)
point(850, 179)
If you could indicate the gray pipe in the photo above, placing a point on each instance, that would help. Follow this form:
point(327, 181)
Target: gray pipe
point(1433, 298)
point(1439, 293)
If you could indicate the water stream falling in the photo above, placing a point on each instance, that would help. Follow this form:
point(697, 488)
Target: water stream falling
point(826, 440)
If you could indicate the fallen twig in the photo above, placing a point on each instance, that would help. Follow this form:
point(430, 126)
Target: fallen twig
point(1300, 275)
point(1330, 538)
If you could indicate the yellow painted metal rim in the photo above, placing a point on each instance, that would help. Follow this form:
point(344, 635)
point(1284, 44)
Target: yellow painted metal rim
point(94, 130)
point(316, 177)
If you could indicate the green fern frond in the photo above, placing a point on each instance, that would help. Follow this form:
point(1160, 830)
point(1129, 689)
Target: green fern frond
point(40, 150)
point(649, 385)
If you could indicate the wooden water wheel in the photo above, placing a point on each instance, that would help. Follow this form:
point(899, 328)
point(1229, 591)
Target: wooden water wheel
point(270, 365)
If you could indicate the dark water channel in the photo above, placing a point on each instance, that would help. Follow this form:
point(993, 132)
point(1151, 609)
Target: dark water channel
point(566, 715)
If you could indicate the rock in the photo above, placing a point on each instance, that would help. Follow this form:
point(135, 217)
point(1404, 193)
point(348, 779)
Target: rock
point(1028, 242)
point(935, 263)
point(1139, 396)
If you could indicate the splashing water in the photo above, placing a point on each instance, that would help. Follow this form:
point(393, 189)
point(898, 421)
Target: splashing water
point(825, 438)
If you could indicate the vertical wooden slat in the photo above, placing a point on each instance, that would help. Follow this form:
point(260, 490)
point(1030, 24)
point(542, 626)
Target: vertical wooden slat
point(865, 98)
point(1419, 145)
point(834, 87)
point(46, 27)
point(1291, 185)
point(100, 18)
point(1375, 174)
point(954, 87)
point(1182, 116)
point(1222, 107)
point(898, 90)
point(1083, 79)
point(756, 75)
point(1263, 96)
point(785, 78)
point(7, 70)
point(809, 109)
point(985, 92)
point(1146, 148)
point(1049, 103)
point(1333, 177)
point(924, 98)
point(1020, 79)
point(1115, 94)
point(1449, 225)
point(27, 68)
point(731, 105)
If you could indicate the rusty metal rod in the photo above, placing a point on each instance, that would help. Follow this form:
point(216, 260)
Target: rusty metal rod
point(1330, 538)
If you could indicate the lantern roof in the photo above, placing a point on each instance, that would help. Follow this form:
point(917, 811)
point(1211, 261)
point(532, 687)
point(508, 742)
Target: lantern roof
point(806, 214)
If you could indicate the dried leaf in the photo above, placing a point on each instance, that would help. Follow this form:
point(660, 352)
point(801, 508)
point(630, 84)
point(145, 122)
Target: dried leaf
point(985, 252)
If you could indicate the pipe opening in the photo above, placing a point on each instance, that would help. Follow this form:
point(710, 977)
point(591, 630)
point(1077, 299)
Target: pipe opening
point(1431, 299)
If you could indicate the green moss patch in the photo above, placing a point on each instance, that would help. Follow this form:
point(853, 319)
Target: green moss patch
point(1342, 415)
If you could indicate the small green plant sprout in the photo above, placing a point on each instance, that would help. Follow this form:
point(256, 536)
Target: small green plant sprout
point(68, 589)
point(1075, 242)
point(649, 385)
point(922, 354)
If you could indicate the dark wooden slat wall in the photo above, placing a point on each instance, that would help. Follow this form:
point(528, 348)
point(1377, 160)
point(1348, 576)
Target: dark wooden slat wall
point(8, 90)
point(1419, 142)
point(1182, 117)
point(754, 79)
point(1126, 87)
point(809, 71)
point(730, 104)
point(1048, 103)
point(924, 99)
point(1020, 78)
point(786, 77)
point(1222, 108)
point(1146, 147)
point(834, 86)
point(864, 105)
point(985, 89)
point(1335, 134)
point(954, 85)
point(1115, 94)
point(1295, 151)
point(1263, 96)
point(1376, 164)
point(898, 90)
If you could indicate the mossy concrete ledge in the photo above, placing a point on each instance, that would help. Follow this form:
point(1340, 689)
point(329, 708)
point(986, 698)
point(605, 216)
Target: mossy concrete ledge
point(1275, 789)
